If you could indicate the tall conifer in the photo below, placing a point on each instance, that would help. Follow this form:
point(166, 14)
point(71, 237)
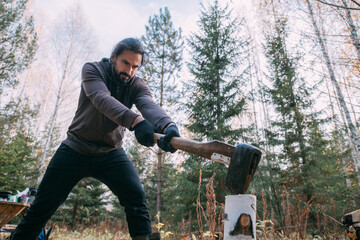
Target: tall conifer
point(17, 142)
point(214, 97)
point(164, 44)
point(303, 156)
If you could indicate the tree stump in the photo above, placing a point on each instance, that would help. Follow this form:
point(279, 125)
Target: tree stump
point(240, 217)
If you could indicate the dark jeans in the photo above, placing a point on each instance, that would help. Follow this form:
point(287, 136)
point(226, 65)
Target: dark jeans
point(66, 169)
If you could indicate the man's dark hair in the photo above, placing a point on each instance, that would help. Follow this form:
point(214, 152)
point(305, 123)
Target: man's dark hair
point(131, 44)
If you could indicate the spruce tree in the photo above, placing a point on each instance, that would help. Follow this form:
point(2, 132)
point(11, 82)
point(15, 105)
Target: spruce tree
point(17, 141)
point(291, 98)
point(214, 98)
point(85, 205)
point(215, 92)
point(164, 46)
point(18, 155)
point(304, 159)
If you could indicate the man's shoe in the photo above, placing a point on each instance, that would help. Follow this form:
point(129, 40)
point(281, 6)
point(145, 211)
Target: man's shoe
point(153, 236)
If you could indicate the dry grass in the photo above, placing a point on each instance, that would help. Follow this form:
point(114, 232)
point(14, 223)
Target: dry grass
point(295, 221)
point(87, 234)
point(295, 216)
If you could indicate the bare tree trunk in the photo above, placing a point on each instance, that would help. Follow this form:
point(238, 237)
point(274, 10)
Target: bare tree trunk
point(347, 85)
point(74, 213)
point(159, 180)
point(254, 79)
point(336, 127)
point(354, 37)
point(354, 138)
point(72, 44)
point(160, 152)
point(51, 127)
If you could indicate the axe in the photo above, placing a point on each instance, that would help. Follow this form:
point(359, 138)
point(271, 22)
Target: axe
point(241, 160)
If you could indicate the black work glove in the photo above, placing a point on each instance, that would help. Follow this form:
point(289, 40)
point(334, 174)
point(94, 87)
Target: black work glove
point(164, 142)
point(144, 133)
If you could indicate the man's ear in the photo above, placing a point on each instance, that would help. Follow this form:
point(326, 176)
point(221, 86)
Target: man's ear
point(113, 59)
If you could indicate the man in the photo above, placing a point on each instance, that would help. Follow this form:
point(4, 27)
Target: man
point(93, 147)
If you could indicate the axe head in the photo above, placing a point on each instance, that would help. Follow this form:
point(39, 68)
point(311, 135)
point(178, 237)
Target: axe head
point(243, 165)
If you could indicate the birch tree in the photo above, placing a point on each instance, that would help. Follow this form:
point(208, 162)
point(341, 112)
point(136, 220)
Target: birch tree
point(71, 45)
point(352, 28)
point(339, 5)
point(334, 81)
point(351, 54)
point(349, 45)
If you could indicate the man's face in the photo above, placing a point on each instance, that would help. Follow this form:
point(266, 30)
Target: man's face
point(127, 64)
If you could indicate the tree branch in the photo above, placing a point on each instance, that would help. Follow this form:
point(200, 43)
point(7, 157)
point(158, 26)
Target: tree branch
point(339, 6)
point(357, 3)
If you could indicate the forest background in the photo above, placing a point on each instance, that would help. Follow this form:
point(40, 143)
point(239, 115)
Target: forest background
point(280, 75)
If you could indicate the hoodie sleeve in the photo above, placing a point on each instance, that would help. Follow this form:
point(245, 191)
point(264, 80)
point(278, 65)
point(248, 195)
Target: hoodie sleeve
point(100, 96)
point(148, 108)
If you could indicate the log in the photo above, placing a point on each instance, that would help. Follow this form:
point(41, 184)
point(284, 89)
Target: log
point(240, 217)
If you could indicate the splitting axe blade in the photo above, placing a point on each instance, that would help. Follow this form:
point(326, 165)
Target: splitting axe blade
point(242, 159)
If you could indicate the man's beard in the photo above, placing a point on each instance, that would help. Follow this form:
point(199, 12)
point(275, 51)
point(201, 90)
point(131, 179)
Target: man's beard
point(121, 76)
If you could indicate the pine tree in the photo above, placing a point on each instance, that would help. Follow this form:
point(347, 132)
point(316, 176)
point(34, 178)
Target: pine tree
point(290, 98)
point(17, 143)
point(18, 156)
point(169, 187)
point(214, 98)
point(305, 160)
point(18, 41)
point(85, 204)
point(164, 45)
point(216, 57)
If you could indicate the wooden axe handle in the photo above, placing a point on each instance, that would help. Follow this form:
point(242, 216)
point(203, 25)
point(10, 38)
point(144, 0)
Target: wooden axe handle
point(202, 149)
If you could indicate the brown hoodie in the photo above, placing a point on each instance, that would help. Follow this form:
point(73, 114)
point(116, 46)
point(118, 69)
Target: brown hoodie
point(104, 110)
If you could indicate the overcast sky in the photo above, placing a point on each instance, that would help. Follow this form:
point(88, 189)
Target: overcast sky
point(113, 20)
